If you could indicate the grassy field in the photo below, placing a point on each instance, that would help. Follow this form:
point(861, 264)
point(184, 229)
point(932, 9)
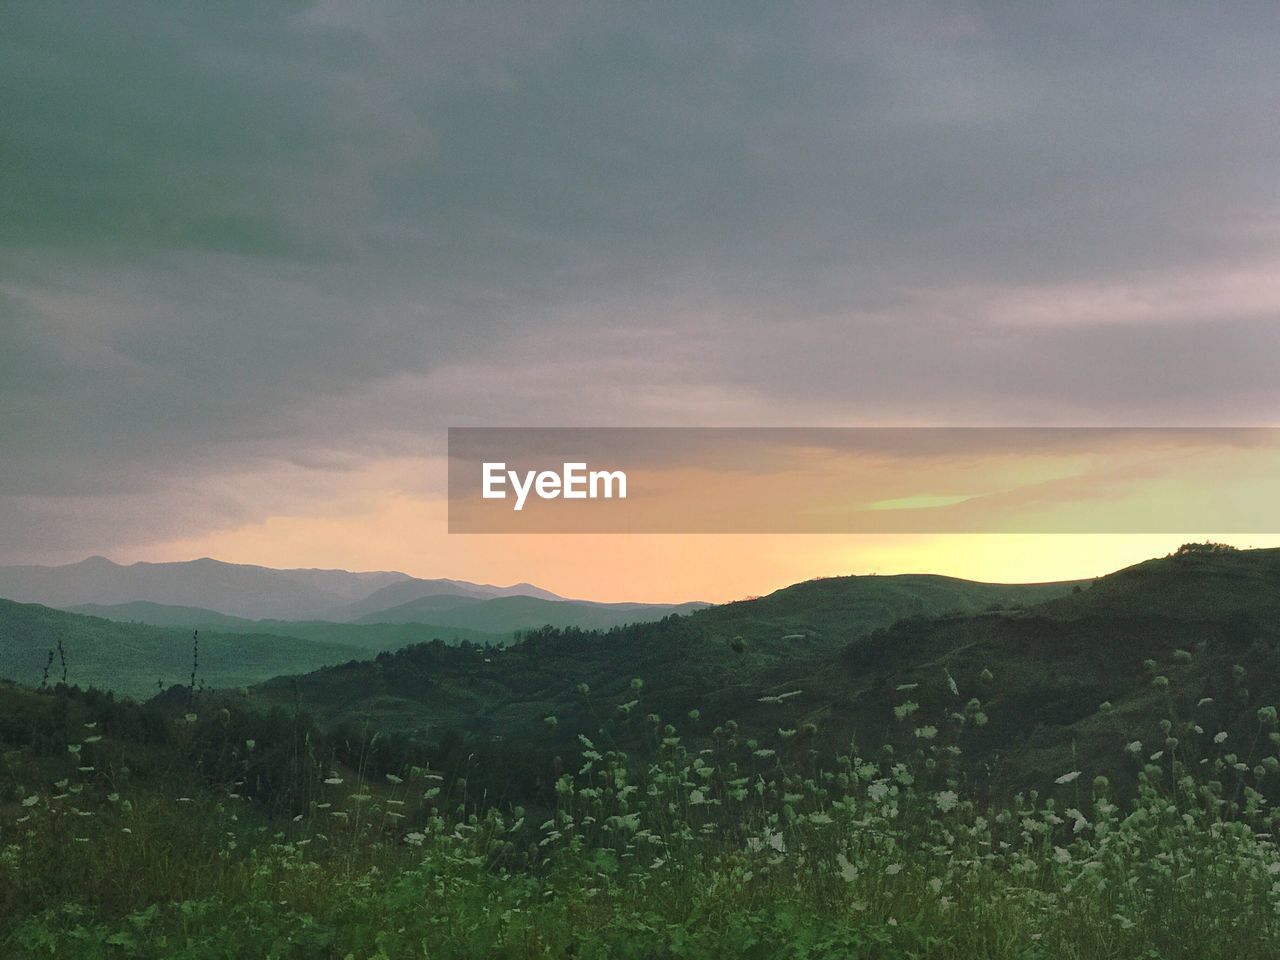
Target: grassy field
point(131, 831)
point(1095, 777)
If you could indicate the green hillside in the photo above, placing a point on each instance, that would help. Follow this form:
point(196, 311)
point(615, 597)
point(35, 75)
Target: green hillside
point(164, 615)
point(370, 638)
point(502, 615)
point(836, 657)
point(133, 659)
point(946, 785)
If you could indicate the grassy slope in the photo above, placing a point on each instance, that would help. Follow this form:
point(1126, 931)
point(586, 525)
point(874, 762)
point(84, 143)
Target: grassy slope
point(688, 661)
point(1052, 666)
point(131, 658)
point(698, 844)
point(502, 615)
point(370, 638)
point(131, 831)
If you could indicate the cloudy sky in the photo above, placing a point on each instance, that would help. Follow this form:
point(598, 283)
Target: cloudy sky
point(255, 258)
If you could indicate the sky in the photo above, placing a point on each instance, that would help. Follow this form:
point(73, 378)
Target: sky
point(256, 258)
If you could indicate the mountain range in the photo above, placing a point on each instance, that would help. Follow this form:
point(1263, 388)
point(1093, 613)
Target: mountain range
point(130, 628)
point(1034, 679)
point(135, 646)
point(236, 589)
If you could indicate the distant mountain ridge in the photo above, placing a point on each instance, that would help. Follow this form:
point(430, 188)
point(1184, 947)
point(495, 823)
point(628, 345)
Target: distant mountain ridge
point(234, 589)
point(509, 613)
point(486, 620)
point(413, 589)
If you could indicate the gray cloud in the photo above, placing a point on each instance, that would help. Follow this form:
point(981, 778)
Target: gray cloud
point(235, 238)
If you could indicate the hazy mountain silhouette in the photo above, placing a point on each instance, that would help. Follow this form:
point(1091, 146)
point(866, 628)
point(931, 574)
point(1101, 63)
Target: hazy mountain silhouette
point(241, 590)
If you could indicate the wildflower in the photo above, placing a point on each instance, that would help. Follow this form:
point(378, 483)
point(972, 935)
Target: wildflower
point(893, 869)
point(1068, 777)
point(778, 698)
point(392, 778)
point(1220, 736)
point(846, 870)
point(947, 800)
point(333, 781)
point(31, 801)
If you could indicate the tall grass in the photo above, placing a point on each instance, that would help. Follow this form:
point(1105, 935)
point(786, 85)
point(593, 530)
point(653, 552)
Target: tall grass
point(709, 845)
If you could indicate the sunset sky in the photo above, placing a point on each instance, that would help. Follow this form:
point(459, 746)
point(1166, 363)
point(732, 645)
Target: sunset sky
point(255, 259)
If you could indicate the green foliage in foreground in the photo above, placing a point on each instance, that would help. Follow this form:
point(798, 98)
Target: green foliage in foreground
point(739, 850)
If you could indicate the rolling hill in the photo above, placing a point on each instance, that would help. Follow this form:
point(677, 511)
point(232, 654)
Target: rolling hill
point(1029, 690)
point(503, 615)
point(399, 594)
point(134, 659)
point(710, 654)
point(370, 638)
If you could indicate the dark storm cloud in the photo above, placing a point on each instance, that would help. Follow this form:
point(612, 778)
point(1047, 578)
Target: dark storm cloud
point(233, 237)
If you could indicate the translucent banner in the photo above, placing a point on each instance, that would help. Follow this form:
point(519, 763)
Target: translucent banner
point(864, 480)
